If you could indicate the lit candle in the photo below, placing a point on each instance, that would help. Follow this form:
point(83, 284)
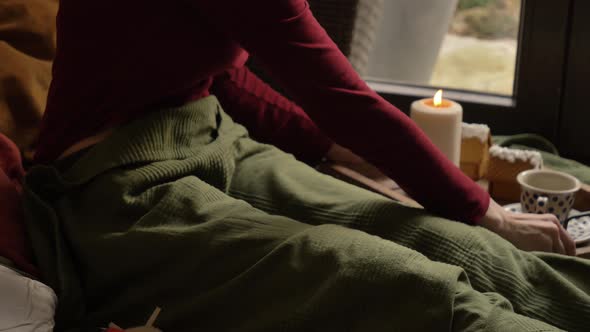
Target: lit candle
point(441, 120)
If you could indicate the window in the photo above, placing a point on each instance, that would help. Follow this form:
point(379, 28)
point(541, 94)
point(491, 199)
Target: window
point(547, 51)
point(466, 44)
point(574, 133)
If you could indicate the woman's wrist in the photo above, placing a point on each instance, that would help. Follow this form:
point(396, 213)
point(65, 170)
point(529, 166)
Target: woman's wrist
point(494, 218)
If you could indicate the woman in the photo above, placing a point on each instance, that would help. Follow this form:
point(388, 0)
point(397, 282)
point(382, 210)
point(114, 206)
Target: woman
point(155, 196)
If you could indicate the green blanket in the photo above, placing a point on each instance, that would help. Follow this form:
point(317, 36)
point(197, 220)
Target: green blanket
point(182, 210)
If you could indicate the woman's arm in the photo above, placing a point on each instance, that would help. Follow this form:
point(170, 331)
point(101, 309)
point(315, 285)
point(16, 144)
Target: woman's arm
point(269, 116)
point(526, 231)
point(288, 40)
point(296, 50)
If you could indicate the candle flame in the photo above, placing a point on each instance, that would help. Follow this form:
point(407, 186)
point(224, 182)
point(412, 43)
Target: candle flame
point(438, 98)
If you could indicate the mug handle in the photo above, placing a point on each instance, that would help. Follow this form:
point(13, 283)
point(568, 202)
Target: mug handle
point(541, 205)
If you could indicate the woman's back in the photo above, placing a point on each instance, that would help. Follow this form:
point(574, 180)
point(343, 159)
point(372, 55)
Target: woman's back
point(116, 60)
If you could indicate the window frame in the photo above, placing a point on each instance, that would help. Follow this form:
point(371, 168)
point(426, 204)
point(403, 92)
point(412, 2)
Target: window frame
point(535, 104)
point(574, 131)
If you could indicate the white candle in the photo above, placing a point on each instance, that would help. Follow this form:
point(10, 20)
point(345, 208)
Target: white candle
point(441, 120)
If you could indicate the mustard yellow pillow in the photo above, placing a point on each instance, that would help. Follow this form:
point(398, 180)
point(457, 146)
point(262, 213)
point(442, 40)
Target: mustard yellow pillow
point(27, 47)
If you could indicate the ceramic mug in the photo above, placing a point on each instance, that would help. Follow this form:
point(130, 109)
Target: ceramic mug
point(545, 191)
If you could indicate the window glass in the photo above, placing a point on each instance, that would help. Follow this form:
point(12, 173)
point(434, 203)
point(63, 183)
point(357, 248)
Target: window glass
point(460, 44)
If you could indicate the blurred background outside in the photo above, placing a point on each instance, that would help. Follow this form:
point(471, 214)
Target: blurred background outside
point(460, 44)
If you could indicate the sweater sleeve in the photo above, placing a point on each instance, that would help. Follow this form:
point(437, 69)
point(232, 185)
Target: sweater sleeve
point(269, 116)
point(298, 53)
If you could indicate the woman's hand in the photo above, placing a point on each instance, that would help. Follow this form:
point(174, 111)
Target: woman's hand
point(530, 232)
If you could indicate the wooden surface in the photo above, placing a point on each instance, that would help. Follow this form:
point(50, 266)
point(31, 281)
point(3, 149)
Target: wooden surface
point(380, 185)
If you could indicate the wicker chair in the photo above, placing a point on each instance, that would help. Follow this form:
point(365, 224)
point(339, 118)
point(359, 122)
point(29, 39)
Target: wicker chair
point(352, 24)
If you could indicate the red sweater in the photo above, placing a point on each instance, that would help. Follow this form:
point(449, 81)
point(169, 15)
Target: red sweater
point(119, 59)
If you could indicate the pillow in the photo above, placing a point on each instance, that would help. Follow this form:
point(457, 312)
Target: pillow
point(26, 305)
point(14, 244)
point(27, 47)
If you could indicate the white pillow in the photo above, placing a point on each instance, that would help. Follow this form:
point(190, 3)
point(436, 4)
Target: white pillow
point(25, 304)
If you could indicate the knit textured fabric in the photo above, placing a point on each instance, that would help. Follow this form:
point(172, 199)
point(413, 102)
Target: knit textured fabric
point(181, 209)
